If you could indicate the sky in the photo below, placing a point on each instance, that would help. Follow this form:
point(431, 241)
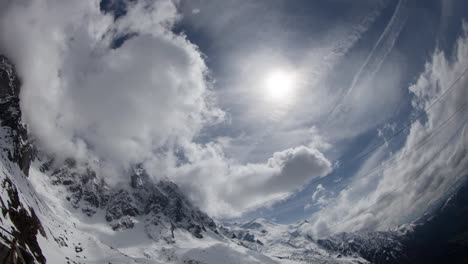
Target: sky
point(350, 114)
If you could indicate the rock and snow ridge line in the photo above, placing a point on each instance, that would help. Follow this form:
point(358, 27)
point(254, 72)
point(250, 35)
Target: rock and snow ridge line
point(63, 213)
point(66, 213)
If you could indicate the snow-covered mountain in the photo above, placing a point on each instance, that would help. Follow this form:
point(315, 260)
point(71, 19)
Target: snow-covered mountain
point(62, 211)
point(285, 242)
point(160, 205)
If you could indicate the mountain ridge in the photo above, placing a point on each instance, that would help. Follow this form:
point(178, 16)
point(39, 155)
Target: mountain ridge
point(65, 212)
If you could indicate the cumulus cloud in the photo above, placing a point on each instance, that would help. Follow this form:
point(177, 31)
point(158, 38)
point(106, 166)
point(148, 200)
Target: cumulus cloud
point(229, 188)
point(428, 167)
point(80, 95)
point(129, 90)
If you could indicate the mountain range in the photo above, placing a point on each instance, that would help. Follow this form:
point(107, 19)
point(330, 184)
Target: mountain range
point(58, 210)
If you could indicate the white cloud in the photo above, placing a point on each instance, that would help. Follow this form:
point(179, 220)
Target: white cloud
point(144, 101)
point(424, 171)
point(122, 104)
point(229, 188)
point(320, 197)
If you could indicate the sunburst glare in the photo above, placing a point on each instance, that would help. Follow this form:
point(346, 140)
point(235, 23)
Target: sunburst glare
point(279, 85)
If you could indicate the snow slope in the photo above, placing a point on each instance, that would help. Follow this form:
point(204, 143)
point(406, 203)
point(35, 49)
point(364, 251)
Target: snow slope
point(284, 242)
point(66, 213)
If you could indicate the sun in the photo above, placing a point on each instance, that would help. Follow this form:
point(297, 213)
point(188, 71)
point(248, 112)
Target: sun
point(279, 85)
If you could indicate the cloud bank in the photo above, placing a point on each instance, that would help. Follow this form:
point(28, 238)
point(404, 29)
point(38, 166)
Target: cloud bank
point(80, 94)
point(229, 187)
point(129, 90)
point(429, 166)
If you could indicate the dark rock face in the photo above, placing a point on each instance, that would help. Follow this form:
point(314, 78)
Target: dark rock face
point(440, 236)
point(163, 204)
point(242, 235)
point(21, 150)
point(121, 210)
point(178, 208)
point(27, 224)
point(15, 144)
point(86, 191)
point(376, 247)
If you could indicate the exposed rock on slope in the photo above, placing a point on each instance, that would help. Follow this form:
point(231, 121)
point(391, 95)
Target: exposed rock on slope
point(14, 137)
point(285, 243)
point(14, 145)
point(162, 205)
point(440, 236)
point(375, 247)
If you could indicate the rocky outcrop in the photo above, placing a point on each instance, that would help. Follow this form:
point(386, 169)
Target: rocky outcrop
point(242, 235)
point(15, 146)
point(440, 236)
point(159, 204)
point(15, 136)
point(86, 190)
point(26, 224)
point(375, 247)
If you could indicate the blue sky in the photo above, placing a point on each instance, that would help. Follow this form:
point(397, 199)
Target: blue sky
point(288, 29)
